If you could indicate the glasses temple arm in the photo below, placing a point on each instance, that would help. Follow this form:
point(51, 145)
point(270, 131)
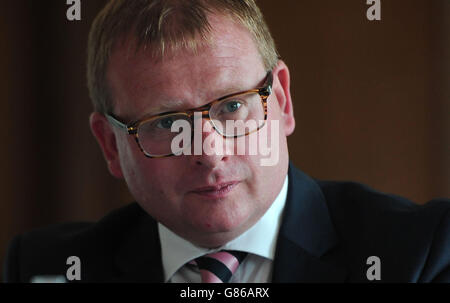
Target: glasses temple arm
point(266, 90)
point(116, 122)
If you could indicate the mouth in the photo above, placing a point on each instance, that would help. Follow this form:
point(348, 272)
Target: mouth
point(216, 191)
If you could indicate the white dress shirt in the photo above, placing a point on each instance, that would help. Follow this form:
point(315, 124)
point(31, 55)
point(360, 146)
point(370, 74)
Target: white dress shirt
point(259, 241)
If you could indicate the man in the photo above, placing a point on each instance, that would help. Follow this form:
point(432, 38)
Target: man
point(154, 64)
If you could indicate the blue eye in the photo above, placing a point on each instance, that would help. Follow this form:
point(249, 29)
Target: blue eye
point(165, 123)
point(232, 106)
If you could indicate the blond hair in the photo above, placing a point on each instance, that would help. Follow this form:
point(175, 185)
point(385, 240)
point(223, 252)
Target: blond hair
point(164, 25)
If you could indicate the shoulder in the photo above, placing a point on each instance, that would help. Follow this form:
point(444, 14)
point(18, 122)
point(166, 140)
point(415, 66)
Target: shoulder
point(350, 198)
point(410, 238)
point(46, 250)
point(80, 234)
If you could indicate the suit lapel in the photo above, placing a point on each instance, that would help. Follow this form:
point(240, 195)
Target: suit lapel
point(138, 258)
point(307, 237)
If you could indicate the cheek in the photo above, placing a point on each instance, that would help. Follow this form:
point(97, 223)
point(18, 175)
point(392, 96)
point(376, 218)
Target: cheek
point(153, 179)
point(138, 170)
point(276, 158)
point(276, 127)
point(274, 113)
point(127, 148)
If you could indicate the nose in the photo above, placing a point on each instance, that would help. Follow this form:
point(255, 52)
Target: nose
point(212, 149)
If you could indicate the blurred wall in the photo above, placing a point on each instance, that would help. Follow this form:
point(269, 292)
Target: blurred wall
point(371, 101)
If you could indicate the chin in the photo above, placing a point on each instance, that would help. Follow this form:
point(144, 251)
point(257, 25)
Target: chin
point(223, 229)
point(214, 239)
point(217, 226)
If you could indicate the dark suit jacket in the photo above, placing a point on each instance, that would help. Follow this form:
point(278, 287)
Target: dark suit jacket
point(328, 232)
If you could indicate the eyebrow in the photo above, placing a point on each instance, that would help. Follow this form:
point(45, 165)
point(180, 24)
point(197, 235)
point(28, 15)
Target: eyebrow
point(165, 106)
point(171, 106)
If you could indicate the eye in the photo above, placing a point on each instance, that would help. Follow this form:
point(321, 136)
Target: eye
point(165, 123)
point(232, 106)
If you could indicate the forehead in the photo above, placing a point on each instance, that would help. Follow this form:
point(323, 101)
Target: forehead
point(141, 84)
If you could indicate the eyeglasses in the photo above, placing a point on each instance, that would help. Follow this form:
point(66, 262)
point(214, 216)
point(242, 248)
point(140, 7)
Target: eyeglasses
point(247, 112)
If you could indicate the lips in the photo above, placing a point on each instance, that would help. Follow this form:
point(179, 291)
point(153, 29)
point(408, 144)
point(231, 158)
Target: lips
point(216, 191)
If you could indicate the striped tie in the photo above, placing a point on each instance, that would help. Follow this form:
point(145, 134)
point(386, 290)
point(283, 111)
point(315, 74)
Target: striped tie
point(220, 266)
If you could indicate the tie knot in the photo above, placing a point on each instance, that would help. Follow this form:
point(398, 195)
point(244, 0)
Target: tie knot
point(218, 267)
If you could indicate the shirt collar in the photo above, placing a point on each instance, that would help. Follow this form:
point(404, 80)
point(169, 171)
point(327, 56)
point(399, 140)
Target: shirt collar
point(260, 239)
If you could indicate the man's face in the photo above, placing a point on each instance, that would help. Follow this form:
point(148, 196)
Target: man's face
point(208, 200)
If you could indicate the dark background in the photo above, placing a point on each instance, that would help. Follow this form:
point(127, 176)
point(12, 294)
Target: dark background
point(371, 100)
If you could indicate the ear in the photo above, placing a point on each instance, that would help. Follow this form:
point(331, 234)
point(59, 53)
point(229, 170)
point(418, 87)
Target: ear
point(281, 88)
point(106, 138)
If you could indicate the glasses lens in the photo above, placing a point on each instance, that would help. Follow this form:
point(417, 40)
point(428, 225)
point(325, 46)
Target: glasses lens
point(238, 115)
point(156, 135)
